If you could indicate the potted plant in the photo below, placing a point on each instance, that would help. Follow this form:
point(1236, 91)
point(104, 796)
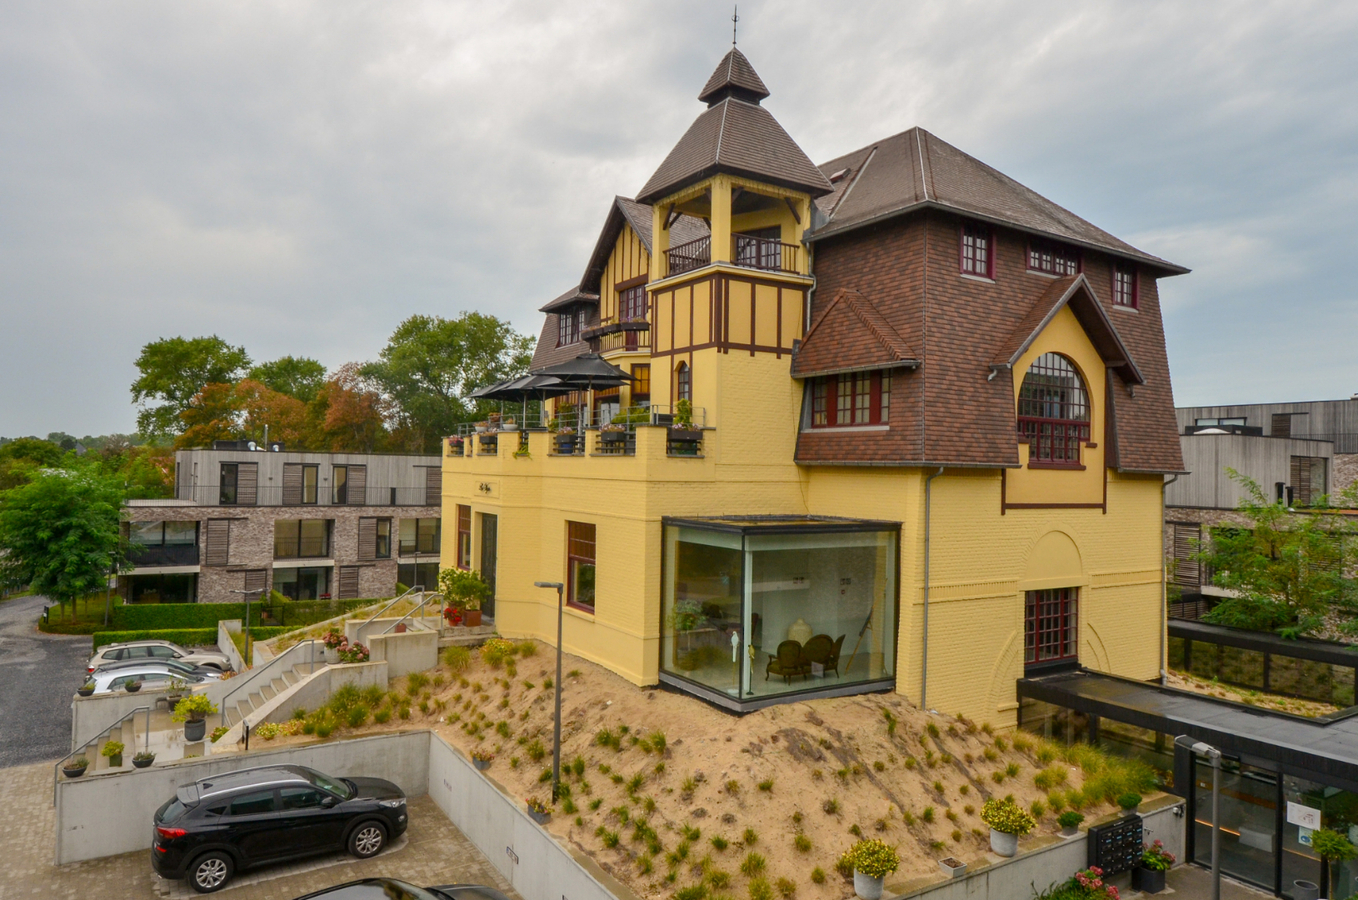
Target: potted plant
point(682, 430)
point(75, 768)
point(481, 759)
point(1331, 847)
point(952, 867)
point(1007, 823)
point(143, 759)
point(85, 689)
point(332, 640)
point(454, 446)
point(453, 616)
point(509, 424)
point(613, 433)
point(465, 591)
point(1070, 823)
point(113, 752)
point(218, 732)
point(481, 427)
point(193, 711)
point(683, 618)
point(565, 440)
point(872, 861)
point(353, 653)
point(539, 811)
point(1129, 802)
point(1149, 874)
point(1089, 884)
point(132, 686)
point(176, 690)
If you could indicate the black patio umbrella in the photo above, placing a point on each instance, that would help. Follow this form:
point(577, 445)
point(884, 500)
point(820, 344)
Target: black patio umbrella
point(522, 389)
point(589, 371)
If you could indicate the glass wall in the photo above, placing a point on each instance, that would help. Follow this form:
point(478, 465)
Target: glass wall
point(1249, 814)
point(760, 610)
point(1338, 811)
point(303, 584)
point(162, 588)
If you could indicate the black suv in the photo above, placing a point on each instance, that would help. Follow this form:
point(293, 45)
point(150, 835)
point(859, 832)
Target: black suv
point(237, 820)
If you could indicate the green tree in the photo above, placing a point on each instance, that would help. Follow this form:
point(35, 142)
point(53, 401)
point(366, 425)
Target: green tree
point(173, 371)
point(431, 364)
point(60, 533)
point(22, 458)
point(296, 376)
point(1285, 569)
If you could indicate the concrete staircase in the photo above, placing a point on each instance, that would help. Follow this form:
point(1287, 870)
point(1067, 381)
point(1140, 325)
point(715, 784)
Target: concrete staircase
point(263, 702)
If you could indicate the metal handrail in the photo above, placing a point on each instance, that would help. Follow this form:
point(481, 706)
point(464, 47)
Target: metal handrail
point(97, 738)
point(256, 673)
point(409, 591)
point(427, 596)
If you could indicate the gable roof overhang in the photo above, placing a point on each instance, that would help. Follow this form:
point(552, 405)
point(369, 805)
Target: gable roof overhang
point(622, 212)
point(568, 299)
point(1072, 291)
point(851, 335)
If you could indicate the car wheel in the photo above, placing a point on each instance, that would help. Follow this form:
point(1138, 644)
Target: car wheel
point(367, 840)
point(210, 872)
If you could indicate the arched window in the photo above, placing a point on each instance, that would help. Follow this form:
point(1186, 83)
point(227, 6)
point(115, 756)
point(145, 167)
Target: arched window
point(683, 383)
point(1053, 411)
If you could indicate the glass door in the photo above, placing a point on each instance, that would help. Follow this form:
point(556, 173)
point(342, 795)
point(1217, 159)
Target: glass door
point(1249, 821)
point(489, 540)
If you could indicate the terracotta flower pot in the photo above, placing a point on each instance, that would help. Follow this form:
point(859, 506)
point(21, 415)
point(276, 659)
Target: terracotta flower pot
point(471, 618)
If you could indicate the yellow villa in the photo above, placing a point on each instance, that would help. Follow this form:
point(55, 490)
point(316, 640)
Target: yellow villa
point(889, 423)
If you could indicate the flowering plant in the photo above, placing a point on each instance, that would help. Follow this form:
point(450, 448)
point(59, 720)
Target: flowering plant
point(353, 653)
point(1089, 882)
point(613, 427)
point(1004, 816)
point(332, 639)
point(873, 858)
point(1156, 857)
point(482, 756)
point(565, 429)
point(453, 615)
point(537, 806)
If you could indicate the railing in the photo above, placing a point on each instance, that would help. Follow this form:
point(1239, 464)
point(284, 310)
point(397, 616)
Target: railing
point(56, 770)
point(145, 556)
point(256, 675)
point(692, 255)
point(625, 340)
point(419, 547)
point(425, 598)
point(762, 253)
point(393, 602)
point(207, 494)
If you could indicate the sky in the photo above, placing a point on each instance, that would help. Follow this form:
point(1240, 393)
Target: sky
point(300, 177)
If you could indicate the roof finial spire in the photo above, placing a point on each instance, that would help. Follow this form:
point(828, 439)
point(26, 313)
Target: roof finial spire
point(735, 18)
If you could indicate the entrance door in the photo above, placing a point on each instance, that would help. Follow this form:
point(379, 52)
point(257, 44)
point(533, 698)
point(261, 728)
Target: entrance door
point(489, 539)
point(1249, 821)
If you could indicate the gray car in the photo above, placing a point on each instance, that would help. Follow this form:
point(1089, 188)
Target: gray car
point(152, 650)
point(151, 674)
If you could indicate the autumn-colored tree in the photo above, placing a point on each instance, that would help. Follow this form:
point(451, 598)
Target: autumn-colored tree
point(240, 412)
point(174, 371)
point(348, 414)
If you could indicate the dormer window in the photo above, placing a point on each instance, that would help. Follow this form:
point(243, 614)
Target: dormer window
point(1125, 286)
point(859, 398)
point(978, 250)
point(632, 304)
point(1053, 412)
point(1052, 259)
point(570, 324)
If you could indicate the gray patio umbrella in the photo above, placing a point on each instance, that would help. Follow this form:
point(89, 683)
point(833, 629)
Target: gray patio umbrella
point(589, 371)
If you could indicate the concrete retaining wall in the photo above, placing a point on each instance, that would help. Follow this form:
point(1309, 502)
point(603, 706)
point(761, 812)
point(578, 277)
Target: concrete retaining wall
point(318, 690)
point(103, 815)
point(225, 628)
point(91, 715)
point(413, 651)
point(536, 865)
point(360, 632)
point(1018, 878)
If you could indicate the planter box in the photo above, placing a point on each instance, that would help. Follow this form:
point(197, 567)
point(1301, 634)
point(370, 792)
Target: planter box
point(1150, 881)
point(540, 817)
point(565, 446)
point(953, 868)
point(685, 435)
point(471, 618)
point(481, 764)
point(612, 437)
point(115, 761)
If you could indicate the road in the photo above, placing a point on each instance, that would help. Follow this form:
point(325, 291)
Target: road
point(38, 674)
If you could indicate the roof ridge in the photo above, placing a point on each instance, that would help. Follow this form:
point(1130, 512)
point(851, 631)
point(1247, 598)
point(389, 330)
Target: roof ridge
point(881, 329)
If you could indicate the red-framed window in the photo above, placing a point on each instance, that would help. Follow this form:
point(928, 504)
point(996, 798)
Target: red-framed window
point(580, 565)
point(1053, 259)
point(1125, 287)
point(1051, 626)
point(641, 382)
point(569, 325)
point(858, 398)
point(632, 304)
point(683, 382)
point(1053, 412)
point(464, 536)
point(977, 250)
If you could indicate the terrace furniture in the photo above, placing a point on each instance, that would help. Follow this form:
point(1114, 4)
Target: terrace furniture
point(788, 661)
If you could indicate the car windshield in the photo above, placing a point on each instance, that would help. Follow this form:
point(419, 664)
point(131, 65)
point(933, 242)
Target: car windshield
point(336, 786)
point(170, 811)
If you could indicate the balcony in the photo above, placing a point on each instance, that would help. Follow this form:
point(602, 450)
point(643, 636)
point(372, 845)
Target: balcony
point(146, 556)
point(615, 333)
point(272, 495)
point(690, 256)
point(761, 253)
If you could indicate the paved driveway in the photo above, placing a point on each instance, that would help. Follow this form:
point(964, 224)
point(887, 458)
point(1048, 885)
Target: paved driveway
point(434, 853)
point(39, 673)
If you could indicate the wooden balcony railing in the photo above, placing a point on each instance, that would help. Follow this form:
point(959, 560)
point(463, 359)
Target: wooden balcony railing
point(689, 256)
point(762, 253)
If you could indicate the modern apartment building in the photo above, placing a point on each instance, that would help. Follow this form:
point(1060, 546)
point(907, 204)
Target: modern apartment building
point(308, 525)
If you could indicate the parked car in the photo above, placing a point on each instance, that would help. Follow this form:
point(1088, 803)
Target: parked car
point(173, 665)
point(238, 820)
point(143, 650)
point(389, 888)
point(149, 674)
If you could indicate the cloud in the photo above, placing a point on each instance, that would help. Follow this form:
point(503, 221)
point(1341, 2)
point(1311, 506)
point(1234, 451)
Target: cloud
point(301, 177)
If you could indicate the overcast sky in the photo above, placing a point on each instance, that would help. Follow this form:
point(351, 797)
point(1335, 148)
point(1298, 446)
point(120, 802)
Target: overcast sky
point(299, 177)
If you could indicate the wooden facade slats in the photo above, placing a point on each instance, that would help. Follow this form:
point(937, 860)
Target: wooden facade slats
point(247, 484)
point(357, 493)
point(367, 538)
point(433, 486)
point(256, 580)
point(217, 542)
point(1187, 570)
point(292, 484)
point(348, 582)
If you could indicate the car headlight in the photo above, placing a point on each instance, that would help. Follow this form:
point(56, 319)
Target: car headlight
point(392, 804)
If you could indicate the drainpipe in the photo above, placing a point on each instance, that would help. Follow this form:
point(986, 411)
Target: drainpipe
point(1164, 587)
point(810, 294)
point(924, 659)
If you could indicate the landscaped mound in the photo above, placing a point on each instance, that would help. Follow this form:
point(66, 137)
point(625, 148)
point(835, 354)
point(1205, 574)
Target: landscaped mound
point(677, 799)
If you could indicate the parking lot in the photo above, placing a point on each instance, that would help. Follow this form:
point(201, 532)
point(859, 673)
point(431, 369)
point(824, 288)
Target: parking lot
point(434, 852)
point(39, 672)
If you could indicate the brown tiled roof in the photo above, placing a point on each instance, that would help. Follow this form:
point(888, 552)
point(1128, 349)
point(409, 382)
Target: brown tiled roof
point(1073, 291)
point(733, 77)
point(916, 169)
point(738, 138)
point(569, 298)
point(638, 216)
point(851, 334)
point(547, 353)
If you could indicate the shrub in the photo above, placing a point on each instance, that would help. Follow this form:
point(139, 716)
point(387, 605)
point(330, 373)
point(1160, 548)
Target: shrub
point(194, 706)
point(830, 806)
point(752, 864)
point(1129, 800)
point(718, 878)
point(733, 787)
point(1069, 819)
point(458, 659)
point(871, 857)
point(527, 648)
point(786, 887)
point(1037, 809)
point(719, 843)
point(356, 717)
point(766, 785)
point(928, 814)
point(1157, 858)
point(218, 732)
point(535, 750)
point(759, 888)
point(749, 838)
point(496, 651)
point(382, 716)
point(802, 843)
point(184, 636)
point(1049, 778)
point(692, 892)
point(1005, 816)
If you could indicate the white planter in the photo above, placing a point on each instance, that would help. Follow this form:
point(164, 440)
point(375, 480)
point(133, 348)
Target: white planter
point(1003, 844)
point(866, 887)
point(331, 656)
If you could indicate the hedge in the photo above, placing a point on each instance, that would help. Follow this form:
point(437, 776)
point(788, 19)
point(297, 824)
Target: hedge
point(186, 637)
point(160, 616)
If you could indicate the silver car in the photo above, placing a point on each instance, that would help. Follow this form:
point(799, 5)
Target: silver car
point(153, 650)
point(151, 674)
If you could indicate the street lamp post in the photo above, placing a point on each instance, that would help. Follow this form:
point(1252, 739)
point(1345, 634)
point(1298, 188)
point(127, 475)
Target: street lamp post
point(249, 650)
point(1212, 755)
point(556, 726)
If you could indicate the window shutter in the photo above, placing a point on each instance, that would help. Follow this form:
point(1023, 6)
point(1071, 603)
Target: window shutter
point(433, 486)
point(292, 484)
point(247, 484)
point(1187, 570)
point(367, 539)
point(1281, 425)
point(348, 582)
point(358, 485)
point(217, 549)
point(256, 579)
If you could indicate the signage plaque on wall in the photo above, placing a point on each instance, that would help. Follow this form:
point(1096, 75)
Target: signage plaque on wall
point(1303, 816)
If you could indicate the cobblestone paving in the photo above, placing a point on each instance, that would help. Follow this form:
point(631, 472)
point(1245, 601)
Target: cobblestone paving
point(434, 853)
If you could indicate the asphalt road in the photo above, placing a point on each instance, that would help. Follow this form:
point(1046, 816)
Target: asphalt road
point(38, 674)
